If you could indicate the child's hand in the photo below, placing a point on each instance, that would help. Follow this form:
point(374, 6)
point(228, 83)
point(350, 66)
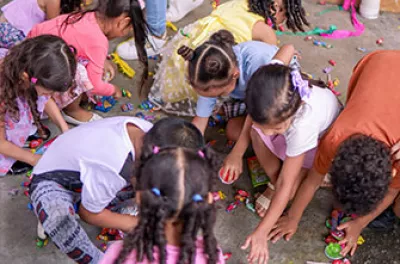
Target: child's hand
point(259, 248)
point(286, 226)
point(232, 168)
point(118, 93)
point(353, 230)
point(108, 68)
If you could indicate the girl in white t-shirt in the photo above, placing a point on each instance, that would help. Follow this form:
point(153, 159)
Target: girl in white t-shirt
point(93, 163)
point(286, 118)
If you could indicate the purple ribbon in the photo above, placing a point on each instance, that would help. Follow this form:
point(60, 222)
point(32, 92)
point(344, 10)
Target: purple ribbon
point(300, 85)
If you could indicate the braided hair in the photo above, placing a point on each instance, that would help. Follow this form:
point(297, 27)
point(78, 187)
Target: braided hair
point(295, 13)
point(47, 61)
point(174, 184)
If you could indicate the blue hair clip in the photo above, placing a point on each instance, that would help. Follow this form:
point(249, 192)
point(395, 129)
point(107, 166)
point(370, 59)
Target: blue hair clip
point(197, 198)
point(156, 192)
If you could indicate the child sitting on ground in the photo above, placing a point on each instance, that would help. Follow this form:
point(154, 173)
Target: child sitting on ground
point(19, 16)
point(89, 32)
point(287, 117)
point(174, 193)
point(30, 73)
point(245, 19)
point(82, 160)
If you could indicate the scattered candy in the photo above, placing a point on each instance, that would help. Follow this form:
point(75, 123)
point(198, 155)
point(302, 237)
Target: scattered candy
point(105, 104)
point(151, 74)
point(336, 82)
point(327, 70)
point(281, 28)
point(227, 256)
point(146, 105)
point(170, 25)
point(361, 49)
point(25, 184)
point(184, 34)
point(30, 207)
point(126, 93)
point(218, 196)
point(35, 143)
point(308, 38)
point(41, 242)
point(332, 62)
point(232, 206)
point(379, 41)
point(13, 192)
point(221, 131)
point(360, 240)
point(230, 144)
point(322, 44)
point(211, 143)
point(26, 193)
point(127, 107)
point(140, 115)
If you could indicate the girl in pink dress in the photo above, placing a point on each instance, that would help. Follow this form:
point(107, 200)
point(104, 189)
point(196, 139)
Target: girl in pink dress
point(30, 73)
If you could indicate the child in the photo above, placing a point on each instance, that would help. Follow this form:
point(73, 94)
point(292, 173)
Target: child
point(287, 119)
point(30, 73)
point(82, 159)
point(174, 193)
point(19, 16)
point(219, 68)
point(245, 19)
point(356, 153)
point(89, 32)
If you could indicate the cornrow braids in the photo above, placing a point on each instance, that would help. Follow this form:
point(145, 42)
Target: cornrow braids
point(211, 64)
point(295, 13)
point(182, 197)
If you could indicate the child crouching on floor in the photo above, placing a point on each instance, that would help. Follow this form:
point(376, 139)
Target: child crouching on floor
point(174, 193)
point(81, 164)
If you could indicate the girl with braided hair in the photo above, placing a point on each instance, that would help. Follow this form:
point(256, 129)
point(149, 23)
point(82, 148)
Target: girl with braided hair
point(30, 73)
point(174, 196)
point(245, 19)
point(19, 16)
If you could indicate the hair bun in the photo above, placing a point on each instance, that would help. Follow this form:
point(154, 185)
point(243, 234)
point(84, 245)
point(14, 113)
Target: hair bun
point(223, 36)
point(186, 52)
point(212, 65)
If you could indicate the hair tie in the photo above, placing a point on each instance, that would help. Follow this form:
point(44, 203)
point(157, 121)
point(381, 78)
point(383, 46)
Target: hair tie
point(197, 198)
point(156, 191)
point(300, 85)
point(156, 150)
point(33, 80)
point(201, 154)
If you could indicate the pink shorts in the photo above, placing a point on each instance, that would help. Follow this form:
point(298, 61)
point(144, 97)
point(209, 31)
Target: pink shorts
point(277, 145)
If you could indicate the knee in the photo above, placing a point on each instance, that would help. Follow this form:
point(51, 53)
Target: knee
point(234, 128)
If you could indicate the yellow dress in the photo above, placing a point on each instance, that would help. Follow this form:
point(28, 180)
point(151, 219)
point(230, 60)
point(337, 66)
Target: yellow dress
point(170, 90)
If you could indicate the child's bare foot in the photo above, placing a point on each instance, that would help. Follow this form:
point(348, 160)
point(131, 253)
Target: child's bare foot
point(263, 201)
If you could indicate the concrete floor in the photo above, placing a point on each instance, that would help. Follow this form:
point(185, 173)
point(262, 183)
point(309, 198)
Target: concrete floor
point(18, 224)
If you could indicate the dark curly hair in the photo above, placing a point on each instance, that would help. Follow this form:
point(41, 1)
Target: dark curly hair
point(361, 173)
point(46, 58)
point(295, 14)
point(179, 175)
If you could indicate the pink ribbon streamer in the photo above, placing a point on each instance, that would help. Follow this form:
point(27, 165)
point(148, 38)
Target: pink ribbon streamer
point(358, 26)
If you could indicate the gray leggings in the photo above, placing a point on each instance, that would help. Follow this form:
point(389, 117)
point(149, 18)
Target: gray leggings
point(54, 207)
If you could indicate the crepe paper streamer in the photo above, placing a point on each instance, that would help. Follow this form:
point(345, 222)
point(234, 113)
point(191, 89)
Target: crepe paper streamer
point(334, 8)
point(358, 26)
point(315, 31)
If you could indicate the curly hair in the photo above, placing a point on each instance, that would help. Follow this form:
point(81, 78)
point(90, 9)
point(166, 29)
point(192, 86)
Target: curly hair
point(361, 173)
point(46, 58)
point(295, 14)
point(179, 175)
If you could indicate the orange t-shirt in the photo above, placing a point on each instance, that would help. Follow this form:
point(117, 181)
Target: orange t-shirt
point(372, 108)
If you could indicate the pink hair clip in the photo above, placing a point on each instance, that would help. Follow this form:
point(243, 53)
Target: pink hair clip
point(156, 150)
point(201, 153)
point(33, 80)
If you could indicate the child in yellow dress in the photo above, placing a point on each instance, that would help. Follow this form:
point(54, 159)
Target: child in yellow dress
point(245, 19)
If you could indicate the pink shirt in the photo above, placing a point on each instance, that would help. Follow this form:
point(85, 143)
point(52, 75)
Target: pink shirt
point(172, 255)
point(90, 42)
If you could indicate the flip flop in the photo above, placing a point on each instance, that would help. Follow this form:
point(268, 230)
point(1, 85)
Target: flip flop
point(73, 121)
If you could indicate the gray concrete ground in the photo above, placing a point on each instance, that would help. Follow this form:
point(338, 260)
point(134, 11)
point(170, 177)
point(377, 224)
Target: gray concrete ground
point(18, 224)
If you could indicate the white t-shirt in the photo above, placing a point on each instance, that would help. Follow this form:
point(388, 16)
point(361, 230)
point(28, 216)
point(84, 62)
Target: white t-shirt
point(311, 121)
point(97, 150)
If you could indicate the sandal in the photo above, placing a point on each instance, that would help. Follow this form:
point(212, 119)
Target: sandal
point(73, 121)
point(263, 201)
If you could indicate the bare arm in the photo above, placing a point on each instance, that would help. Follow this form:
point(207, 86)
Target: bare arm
point(263, 32)
point(285, 54)
point(52, 8)
point(108, 219)
point(305, 194)
point(201, 123)
point(55, 116)
point(244, 138)
point(13, 151)
point(287, 179)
